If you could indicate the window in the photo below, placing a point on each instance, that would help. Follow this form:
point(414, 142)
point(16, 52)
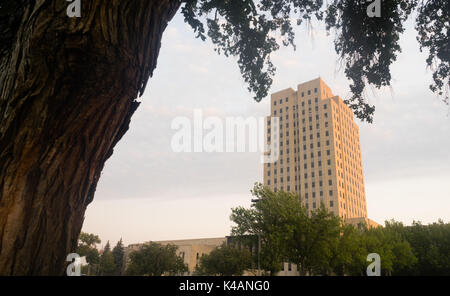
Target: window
point(309, 91)
point(315, 89)
point(286, 99)
point(331, 203)
point(303, 94)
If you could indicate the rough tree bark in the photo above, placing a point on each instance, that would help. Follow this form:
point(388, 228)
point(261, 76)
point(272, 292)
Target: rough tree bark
point(67, 93)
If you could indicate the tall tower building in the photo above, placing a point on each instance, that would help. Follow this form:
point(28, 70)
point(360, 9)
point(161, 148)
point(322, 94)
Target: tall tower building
point(319, 150)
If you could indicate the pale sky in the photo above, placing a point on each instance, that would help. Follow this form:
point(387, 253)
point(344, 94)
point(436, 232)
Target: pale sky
point(148, 192)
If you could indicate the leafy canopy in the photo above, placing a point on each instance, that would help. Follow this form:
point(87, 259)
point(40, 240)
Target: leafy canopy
point(318, 242)
point(367, 46)
point(224, 261)
point(154, 259)
point(87, 247)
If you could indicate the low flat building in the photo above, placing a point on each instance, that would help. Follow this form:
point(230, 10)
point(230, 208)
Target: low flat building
point(191, 250)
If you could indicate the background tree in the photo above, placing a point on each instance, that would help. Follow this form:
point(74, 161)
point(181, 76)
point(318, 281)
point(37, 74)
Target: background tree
point(107, 265)
point(313, 241)
point(87, 247)
point(395, 252)
point(349, 256)
point(69, 86)
point(318, 241)
point(89, 239)
point(118, 253)
point(225, 261)
point(154, 259)
point(287, 231)
point(430, 245)
point(271, 218)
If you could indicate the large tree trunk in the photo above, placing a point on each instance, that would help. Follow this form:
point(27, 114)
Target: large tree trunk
point(68, 88)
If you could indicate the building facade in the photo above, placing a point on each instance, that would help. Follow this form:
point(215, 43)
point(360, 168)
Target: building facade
point(319, 150)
